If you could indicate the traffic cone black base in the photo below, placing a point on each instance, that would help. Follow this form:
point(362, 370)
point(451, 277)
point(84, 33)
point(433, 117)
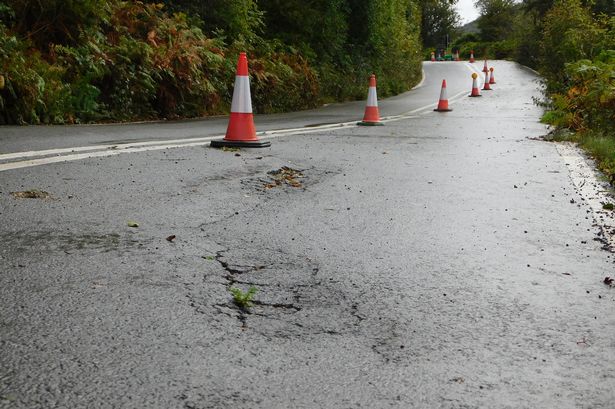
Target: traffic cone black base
point(221, 143)
point(363, 123)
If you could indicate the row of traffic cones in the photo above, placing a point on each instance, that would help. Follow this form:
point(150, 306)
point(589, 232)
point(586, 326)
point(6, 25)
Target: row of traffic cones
point(489, 80)
point(455, 58)
point(242, 133)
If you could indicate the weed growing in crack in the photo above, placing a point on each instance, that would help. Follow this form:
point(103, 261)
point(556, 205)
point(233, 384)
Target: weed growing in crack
point(243, 299)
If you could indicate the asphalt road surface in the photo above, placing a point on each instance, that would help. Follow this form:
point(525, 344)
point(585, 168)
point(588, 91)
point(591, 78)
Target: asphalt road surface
point(444, 260)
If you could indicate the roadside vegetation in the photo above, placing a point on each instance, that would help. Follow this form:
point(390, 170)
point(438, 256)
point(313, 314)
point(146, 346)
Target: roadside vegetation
point(79, 61)
point(572, 44)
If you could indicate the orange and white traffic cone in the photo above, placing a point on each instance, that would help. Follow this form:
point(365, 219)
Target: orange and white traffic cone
point(457, 56)
point(372, 116)
point(485, 69)
point(475, 90)
point(433, 56)
point(443, 102)
point(241, 131)
point(472, 56)
point(486, 86)
point(491, 77)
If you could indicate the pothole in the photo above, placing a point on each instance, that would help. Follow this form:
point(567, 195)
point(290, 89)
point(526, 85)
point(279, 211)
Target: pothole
point(285, 176)
point(287, 179)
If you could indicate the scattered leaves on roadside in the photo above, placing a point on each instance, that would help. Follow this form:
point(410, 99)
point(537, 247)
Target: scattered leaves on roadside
point(171, 238)
point(608, 206)
point(229, 149)
point(132, 223)
point(210, 258)
point(608, 281)
point(31, 194)
point(284, 175)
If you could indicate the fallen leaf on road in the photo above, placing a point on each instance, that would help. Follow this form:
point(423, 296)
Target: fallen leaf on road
point(132, 223)
point(171, 237)
point(608, 280)
point(284, 175)
point(30, 194)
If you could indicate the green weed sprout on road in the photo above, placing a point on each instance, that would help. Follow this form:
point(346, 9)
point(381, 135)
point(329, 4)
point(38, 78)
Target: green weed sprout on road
point(241, 299)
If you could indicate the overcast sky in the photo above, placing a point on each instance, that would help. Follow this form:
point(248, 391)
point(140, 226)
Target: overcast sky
point(467, 11)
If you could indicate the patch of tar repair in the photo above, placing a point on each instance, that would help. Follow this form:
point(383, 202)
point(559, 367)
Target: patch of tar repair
point(595, 192)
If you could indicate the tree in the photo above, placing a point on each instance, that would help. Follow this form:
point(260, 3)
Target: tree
point(438, 19)
point(238, 19)
point(317, 28)
point(57, 21)
point(496, 19)
point(570, 34)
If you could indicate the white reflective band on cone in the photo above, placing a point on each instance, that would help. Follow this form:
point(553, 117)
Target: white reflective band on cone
point(242, 100)
point(443, 94)
point(372, 99)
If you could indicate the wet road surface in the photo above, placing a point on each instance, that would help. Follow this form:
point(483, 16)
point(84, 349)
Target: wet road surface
point(439, 261)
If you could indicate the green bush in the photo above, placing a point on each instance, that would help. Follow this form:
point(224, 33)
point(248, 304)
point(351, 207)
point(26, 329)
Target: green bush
point(79, 61)
point(570, 34)
point(34, 91)
point(282, 82)
point(589, 101)
point(503, 50)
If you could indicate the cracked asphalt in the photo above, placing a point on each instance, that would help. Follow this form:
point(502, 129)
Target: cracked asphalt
point(439, 261)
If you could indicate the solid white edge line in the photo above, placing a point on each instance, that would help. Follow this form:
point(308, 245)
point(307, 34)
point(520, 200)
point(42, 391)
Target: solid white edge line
point(59, 151)
point(420, 84)
point(97, 154)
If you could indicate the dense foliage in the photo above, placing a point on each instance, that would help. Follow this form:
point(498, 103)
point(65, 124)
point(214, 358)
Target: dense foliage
point(439, 22)
point(68, 61)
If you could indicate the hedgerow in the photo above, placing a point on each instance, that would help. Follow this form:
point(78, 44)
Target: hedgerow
point(72, 61)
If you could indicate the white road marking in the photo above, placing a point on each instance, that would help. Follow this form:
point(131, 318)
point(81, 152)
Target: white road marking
point(60, 151)
point(595, 192)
